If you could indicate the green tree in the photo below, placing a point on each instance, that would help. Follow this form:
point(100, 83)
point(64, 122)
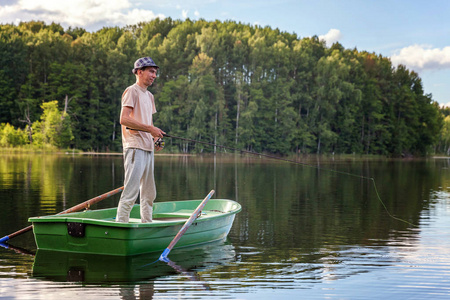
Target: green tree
point(53, 129)
point(13, 70)
point(224, 82)
point(445, 136)
point(11, 137)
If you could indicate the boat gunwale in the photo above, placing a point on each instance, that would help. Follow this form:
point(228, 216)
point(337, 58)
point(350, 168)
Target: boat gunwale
point(78, 218)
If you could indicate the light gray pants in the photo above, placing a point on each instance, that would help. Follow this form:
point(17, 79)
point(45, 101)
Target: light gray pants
point(139, 177)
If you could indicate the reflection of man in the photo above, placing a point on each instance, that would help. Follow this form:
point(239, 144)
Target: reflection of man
point(146, 291)
point(138, 106)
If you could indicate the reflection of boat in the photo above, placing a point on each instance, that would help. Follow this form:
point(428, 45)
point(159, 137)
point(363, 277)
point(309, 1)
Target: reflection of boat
point(95, 268)
point(97, 232)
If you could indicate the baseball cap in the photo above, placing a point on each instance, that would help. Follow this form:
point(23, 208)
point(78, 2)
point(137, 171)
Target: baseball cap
point(143, 62)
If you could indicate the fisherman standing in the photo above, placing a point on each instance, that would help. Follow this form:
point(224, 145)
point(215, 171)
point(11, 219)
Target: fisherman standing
point(138, 107)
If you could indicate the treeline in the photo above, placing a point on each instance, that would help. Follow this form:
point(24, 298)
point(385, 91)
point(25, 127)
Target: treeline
point(227, 83)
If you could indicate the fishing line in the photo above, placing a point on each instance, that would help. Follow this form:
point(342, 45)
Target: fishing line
point(299, 163)
point(159, 143)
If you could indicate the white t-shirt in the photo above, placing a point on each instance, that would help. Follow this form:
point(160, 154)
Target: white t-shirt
point(143, 104)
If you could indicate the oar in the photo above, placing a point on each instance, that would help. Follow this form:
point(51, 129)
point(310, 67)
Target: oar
point(85, 204)
point(185, 227)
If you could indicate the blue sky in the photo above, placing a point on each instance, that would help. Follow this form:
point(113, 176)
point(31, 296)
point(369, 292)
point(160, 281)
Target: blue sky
point(412, 32)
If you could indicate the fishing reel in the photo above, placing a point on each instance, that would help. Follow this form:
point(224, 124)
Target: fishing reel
point(160, 143)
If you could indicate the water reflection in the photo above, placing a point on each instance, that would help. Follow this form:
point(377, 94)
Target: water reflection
point(93, 269)
point(135, 274)
point(302, 231)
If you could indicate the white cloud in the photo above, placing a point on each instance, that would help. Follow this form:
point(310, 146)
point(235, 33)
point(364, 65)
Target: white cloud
point(422, 57)
point(135, 16)
point(331, 37)
point(82, 13)
point(184, 13)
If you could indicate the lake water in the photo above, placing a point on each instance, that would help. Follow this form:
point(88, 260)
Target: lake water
point(315, 231)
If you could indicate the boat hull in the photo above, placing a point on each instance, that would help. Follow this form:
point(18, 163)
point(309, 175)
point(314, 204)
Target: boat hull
point(97, 232)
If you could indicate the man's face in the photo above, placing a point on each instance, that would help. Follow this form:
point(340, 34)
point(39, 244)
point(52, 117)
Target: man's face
point(148, 75)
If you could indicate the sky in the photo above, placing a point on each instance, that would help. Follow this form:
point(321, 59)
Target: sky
point(415, 33)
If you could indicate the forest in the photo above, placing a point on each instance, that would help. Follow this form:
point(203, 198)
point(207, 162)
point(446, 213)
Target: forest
point(249, 87)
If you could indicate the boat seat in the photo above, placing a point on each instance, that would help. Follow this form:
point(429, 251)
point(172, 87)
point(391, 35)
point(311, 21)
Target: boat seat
point(156, 220)
point(186, 213)
point(182, 213)
point(179, 215)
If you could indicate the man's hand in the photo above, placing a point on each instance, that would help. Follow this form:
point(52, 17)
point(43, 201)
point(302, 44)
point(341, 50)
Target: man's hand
point(156, 132)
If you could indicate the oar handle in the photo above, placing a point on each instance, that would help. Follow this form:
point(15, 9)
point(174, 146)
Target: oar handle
point(185, 227)
point(85, 204)
point(88, 203)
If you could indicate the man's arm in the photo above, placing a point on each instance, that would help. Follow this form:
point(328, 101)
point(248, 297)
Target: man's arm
point(128, 121)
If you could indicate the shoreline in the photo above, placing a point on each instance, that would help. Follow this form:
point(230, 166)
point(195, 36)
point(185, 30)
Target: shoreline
point(92, 153)
point(120, 154)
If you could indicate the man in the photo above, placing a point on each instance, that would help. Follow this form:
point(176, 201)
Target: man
point(138, 136)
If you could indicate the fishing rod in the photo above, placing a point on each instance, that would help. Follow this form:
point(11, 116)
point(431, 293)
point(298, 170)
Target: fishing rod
point(160, 143)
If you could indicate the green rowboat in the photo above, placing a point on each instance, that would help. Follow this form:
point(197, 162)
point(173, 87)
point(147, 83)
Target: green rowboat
point(96, 232)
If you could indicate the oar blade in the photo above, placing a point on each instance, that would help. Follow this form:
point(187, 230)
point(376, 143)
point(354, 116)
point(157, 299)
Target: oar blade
point(164, 256)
